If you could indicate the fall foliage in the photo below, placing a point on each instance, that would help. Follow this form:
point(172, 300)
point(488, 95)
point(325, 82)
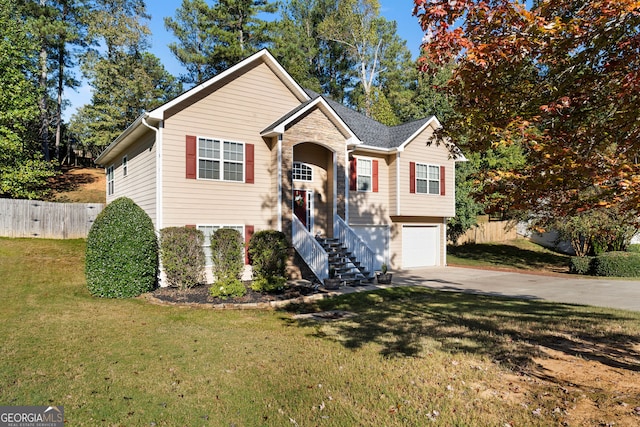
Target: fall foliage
point(561, 80)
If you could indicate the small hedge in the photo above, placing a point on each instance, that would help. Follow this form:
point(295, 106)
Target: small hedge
point(635, 247)
point(581, 264)
point(122, 252)
point(226, 255)
point(617, 264)
point(268, 252)
point(227, 287)
point(182, 256)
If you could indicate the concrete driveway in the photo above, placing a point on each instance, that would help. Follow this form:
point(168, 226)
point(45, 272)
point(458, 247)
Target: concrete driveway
point(614, 293)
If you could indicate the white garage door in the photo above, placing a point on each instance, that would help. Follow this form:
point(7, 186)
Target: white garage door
point(377, 238)
point(420, 246)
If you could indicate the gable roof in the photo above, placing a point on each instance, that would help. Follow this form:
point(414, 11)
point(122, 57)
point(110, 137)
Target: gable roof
point(374, 134)
point(142, 123)
point(361, 130)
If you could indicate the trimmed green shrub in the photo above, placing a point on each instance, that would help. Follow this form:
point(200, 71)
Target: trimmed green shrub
point(122, 252)
point(182, 256)
point(226, 253)
point(634, 248)
point(580, 264)
point(227, 287)
point(269, 284)
point(617, 264)
point(268, 252)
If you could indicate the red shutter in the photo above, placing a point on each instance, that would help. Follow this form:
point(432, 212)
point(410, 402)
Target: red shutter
point(248, 232)
point(442, 183)
point(412, 177)
point(374, 178)
point(192, 157)
point(190, 226)
point(249, 164)
point(353, 174)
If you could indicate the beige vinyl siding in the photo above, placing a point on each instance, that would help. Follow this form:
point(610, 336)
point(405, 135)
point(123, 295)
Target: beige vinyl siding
point(418, 204)
point(238, 111)
point(140, 183)
point(368, 207)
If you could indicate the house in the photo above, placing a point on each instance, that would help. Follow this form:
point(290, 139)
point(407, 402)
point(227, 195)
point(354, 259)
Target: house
point(250, 149)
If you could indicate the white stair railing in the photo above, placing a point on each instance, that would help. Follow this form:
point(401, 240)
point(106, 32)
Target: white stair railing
point(309, 249)
point(354, 244)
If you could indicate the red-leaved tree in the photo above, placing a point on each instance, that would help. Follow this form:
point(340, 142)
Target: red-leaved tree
point(559, 78)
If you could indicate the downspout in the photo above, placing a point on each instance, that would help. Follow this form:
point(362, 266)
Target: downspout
point(279, 182)
point(398, 183)
point(159, 215)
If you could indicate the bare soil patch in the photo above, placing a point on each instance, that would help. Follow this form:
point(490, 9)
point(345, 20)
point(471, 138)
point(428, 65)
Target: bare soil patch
point(79, 185)
point(576, 391)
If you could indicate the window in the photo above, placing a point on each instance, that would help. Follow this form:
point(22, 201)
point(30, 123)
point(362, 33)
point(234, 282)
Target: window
point(221, 160)
point(427, 179)
point(125, 166)
point(364, 174)
point(208, 230)
point(110, 181)
point(302, 172)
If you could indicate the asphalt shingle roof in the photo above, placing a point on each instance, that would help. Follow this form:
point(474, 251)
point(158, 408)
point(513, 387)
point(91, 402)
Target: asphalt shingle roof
point(369, 131)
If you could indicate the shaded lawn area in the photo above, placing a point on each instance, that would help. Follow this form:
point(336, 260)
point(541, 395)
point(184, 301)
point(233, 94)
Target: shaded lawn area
point(517, 254)
point(407, 357)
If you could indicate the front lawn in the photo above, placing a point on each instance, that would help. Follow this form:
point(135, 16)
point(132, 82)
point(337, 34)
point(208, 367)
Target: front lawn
point(402, 356)
point(520, 254)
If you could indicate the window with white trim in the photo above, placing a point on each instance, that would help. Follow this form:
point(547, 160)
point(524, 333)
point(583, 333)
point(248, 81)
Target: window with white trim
point(208, 231)
point(302, 172)
point(220, 160)
point(427, 179)
point(365, 171)
point(125, 166)
point(110, 181)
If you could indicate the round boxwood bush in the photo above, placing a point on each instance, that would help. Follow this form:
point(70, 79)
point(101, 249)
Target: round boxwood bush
point(122, 252)
point(617, 264)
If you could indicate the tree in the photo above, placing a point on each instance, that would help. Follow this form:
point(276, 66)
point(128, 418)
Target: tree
point(372, 44)
point(23, 172)
point(316, 63)
point(213, 38)
point(126, 79)
point(560, 80)
point(124, 86)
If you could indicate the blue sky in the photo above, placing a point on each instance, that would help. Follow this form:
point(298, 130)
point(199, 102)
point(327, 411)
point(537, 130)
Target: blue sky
point(394, 10)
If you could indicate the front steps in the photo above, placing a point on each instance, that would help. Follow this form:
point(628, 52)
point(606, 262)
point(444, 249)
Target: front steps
point(344, 263)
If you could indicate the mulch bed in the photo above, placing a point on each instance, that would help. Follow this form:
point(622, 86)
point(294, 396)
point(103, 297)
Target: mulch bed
point(200, 295)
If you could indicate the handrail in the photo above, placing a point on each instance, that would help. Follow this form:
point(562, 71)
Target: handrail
point(354, 244)
point(309, 249)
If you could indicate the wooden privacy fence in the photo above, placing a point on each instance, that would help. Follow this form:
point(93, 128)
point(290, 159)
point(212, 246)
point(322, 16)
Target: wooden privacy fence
point(48, 220)
point(490, 231)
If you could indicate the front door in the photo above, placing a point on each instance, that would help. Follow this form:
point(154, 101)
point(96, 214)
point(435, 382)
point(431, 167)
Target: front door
point(303, 207)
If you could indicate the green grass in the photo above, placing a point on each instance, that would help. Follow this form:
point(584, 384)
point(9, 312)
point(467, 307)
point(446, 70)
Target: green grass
point(406, 353)
point(519, 254)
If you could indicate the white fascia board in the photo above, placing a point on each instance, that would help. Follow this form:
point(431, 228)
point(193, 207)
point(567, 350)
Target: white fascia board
point(320, 103)
point(433, 121)
point(264, 54)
